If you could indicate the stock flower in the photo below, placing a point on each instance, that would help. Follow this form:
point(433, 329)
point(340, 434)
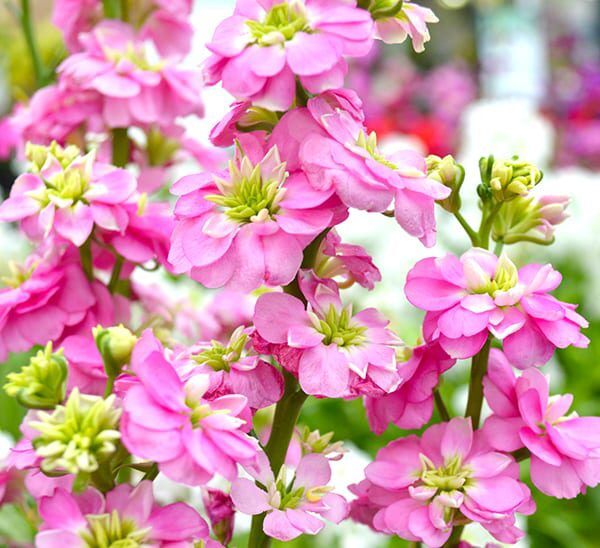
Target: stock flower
point(40, 301)
point(338, 348)
point(169, 421)
point(134, 87)
point(249, 228)
point(260, 50)
point(219, 508)
point(565, 448)
point(233, 369)
point(411, 404)
point(329, 142)
point(224, 313)
point(411, 21)
point(86, 368)
point(67, 194)
point(350, 262)
point(425, 484)
point(291, 506)
point(468, 298)
point(127, 516)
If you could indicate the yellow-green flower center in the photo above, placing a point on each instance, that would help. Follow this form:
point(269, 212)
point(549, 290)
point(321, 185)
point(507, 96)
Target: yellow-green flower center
point(17, 275)
point(449, 477)
point(112, 531)
point(219, 357)
point(280, 24)
point(369, 143)
point(135, 55)
point(339, 328)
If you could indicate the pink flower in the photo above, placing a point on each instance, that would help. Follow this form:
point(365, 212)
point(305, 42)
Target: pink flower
point(260, 50)
point(56, 113)
point(116, 63)
point(128, 515)
point(338, 349)
point(552, 212)
point(410, 406)
point(430, 482)
point(466, 299)
point(68, 196)
point(169, 421)
point(328, 142)
point(565, 448)
point(292, 506)
point(86, 368)
point(234, 369)
point(350, 262)
point(411, 21)
point(40, 300)
point(225, 311)
point(219, 508)
point(247, 228)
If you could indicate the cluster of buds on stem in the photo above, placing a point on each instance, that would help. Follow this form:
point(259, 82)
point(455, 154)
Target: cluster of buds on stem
point(451, 174)
point(504, 180)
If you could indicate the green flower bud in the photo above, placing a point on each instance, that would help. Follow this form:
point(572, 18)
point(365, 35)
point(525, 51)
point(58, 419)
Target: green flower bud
point(79, 436)
point(42, 383)
point(451, 174)
point(504, 180)
point(115, 345)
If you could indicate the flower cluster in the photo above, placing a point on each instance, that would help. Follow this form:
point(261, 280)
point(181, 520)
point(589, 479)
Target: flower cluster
point(133, 383)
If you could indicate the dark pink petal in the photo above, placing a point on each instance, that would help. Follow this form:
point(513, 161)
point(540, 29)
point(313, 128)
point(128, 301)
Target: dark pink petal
point(540, 446)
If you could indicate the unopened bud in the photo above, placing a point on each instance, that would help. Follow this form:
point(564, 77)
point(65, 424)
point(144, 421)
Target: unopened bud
point(219, 508)
point(451, 174)
point(382, 9)
point(507, 179)
point(115, 345)
point(42, 383)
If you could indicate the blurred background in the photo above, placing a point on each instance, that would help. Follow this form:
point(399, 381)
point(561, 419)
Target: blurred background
point(498, 77)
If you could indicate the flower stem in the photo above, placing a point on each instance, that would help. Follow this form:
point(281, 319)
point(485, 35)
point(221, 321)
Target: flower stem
point(473, 236)
point(284, 421)
point(441, 406)
point(27, 26)
point(454, 539)
point(85, 255)
point(112, 9)
point(115, 275)
point(120, 147)
point(478, 371)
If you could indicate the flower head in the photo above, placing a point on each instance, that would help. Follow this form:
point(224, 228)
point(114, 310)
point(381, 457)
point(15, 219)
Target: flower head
point(507, 179)
point(565, 448)
point(77, 436)
point(260, 50)
point(291, 502)
point(468, 298)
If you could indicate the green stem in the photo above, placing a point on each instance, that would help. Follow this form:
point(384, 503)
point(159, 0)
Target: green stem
point(115, 275)
point(112, 9)
point(478, 371)
point(287, 411)
point(521, 454)
point(120, 147)
point(470, 232)
point(483, 237)
point(27, 26)
point(498, 247)
point(454, 539)
point(85, 255)
point(441, 406)
point(110, 384)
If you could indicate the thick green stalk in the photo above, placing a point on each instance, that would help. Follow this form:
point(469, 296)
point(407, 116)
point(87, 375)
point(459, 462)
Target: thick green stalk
point(27, 26)
point(478, 371)
point(120, 147)
point(112, 9)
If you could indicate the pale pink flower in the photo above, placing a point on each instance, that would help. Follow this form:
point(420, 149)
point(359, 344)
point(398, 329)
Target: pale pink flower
point(163, 22)
point(40, 300)
point(68, 200)
point(552, 212)
point(293, 506)
point(411, 21)
point(410, 406)
point(169, 421)
point(135, 88)
point(247, 228)
point(349, 262)
point(127, 515)
point(329, 143)
point(479, 294)
point(342, 354)
point(565, 448)
point(233, 368)
point(425, 484)
point(260, 50)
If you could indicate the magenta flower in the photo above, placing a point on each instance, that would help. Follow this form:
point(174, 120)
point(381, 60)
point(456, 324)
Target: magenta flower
point(410, 406)
point(260, 50)
point(234, 369)
point(127, 516)
point(349, 262)
point(247, 228)
point(40, 300)
point(565, 448)
point(466, 299)
point(295, 506)
point(339, 349)
point(329, 142)
point(68, 196)
point(430, 482)
point(411, 21)
point(135, 89)
point(169, 421)
point(219, 508)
